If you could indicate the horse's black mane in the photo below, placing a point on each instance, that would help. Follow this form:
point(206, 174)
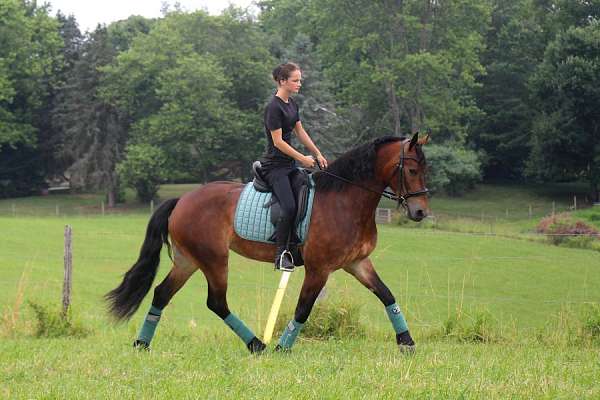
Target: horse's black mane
point(355, 165)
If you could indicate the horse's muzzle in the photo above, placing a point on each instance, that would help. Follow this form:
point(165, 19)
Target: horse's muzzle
point(416, 212)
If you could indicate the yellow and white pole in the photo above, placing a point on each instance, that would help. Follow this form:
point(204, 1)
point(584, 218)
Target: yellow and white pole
point(285, 277)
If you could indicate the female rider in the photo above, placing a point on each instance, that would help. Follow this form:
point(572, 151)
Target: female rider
point(281, 117)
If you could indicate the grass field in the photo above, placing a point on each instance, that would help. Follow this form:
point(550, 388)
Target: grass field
point(533, 295)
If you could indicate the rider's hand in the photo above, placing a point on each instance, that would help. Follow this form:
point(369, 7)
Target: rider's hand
point(322, 161)
point(307, 161)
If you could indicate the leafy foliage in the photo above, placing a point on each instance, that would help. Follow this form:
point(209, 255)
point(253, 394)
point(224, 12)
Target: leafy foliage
point(510, 85)
point(143, 169)
point(194, 86)
point(329, 319)
point(478, 327)
point(515, 45)
point(566, 141)
point(53, 324)
point(29, 59)
point(452, 169)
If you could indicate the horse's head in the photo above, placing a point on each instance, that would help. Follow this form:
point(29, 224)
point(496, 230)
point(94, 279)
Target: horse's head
point(404, 169)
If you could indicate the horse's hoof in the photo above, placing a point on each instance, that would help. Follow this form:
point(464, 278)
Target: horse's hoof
point(256, 346)
point(141, 345)
point(404, 339)
point(280, 349)
point(408, 350)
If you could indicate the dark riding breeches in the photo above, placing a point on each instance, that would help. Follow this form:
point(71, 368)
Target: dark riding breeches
point(279, 180)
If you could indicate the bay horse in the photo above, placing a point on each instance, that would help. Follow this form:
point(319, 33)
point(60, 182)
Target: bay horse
point(342, 235)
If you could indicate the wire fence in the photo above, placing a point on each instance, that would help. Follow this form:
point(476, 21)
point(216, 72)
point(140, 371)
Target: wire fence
point(95, 207)
point(50, 257)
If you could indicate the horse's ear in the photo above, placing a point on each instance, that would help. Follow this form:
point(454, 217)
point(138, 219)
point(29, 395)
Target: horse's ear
point(424, 140)
point(413, 141)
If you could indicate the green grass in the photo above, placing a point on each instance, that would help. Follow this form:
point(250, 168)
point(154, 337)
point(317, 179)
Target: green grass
point(533, 293)
point(434, 276)
point(213, 367)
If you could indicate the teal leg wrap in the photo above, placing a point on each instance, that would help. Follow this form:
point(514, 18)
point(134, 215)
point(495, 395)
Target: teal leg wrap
point(290, 334)
point(239, 328)
point(395, 315)
point(147, 332)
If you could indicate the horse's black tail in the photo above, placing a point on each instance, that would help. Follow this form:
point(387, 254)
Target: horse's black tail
point(126, 298)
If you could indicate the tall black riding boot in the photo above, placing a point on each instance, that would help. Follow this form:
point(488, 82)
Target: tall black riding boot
point(283, 258)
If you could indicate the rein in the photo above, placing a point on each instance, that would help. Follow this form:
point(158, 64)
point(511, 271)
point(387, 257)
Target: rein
point(401, 198)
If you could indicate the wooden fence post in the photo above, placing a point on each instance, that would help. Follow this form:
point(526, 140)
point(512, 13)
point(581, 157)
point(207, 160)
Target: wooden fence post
point(68, 259)
point(383, 215)
point(575, 203)
point(102, 207)
point(151, 207)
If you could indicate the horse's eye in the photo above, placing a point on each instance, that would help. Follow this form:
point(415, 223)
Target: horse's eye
point(413, 172)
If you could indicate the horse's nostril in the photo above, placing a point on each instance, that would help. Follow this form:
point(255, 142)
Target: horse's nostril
point(420, 214)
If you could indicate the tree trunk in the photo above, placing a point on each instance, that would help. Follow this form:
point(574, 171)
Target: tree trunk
point(394, 108)
point(417, 117)
point(111, 198)
point(112, 194)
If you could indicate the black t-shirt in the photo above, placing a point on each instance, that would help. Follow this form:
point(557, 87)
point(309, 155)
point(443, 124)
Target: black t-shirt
point(279, 114)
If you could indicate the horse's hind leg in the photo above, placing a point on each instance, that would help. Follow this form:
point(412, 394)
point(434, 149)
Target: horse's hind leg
point(313, 283)
point(364, 272)
point(216, 277)
point(163, 293)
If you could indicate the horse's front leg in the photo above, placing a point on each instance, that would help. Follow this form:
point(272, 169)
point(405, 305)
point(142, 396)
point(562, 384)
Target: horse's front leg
point(365, 273)
point(314, 281)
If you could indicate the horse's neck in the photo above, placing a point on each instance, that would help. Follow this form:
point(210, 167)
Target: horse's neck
point(357, 204)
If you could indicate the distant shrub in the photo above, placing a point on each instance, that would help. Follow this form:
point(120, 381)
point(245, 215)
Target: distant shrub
point(562, 229)
point(591, 322)
point(143, 170)
point(573, 325)
point(52, 324)
point(329, 320)
point(452, 169)
point(479, 327)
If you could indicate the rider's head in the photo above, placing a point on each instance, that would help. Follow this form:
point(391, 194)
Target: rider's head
point(288, 76)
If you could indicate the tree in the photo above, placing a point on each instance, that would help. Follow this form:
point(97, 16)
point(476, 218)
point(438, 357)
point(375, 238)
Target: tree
point(194, 87)
point(93, 133)
point(515, 45)
point(143, 169)
point(453, 171)
point(29, 56)
point(50, 135)
point(410, 64)
point(566, 136)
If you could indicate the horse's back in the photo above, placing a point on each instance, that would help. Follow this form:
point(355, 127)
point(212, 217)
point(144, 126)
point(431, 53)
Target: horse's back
point(207, 211)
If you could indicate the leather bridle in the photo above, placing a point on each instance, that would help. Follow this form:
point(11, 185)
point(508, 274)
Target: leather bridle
point(401, 198)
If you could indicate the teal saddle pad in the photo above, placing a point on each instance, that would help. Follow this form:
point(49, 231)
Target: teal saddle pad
point(253, 220)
